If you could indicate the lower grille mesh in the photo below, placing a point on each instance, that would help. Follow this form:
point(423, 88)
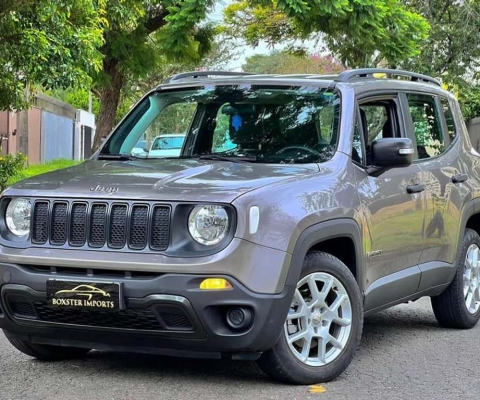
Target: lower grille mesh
point(142, 319)
point(22, 308)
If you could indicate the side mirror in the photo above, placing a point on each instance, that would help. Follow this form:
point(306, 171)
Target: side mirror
point(392, 153)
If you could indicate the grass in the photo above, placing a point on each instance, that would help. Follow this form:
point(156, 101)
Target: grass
point(38, 169)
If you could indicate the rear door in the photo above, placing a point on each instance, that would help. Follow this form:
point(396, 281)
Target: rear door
point(432, 128)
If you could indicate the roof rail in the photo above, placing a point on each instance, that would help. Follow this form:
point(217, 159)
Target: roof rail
point(348, 75)
point(197, 74)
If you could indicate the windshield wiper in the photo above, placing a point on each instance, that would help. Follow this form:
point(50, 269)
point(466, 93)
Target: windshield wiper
point(236, 159)
point(120, 157)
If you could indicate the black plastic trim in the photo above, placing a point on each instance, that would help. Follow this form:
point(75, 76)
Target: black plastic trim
point(208, 313)
point(341, 227)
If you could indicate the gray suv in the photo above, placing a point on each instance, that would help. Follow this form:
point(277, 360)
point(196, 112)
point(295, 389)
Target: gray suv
point(296, 206)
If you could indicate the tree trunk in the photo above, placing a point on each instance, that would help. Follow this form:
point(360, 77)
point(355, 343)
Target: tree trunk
point(109, 96)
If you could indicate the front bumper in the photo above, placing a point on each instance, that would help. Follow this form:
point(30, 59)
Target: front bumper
point(163, 313)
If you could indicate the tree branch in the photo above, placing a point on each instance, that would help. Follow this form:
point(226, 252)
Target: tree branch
point(156, 22)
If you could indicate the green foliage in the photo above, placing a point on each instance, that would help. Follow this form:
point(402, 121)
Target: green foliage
point(78, 98)
point(10, 166)
point(51, 43)
point(452, 50)
point(284, 62)
point(37, 169)
point(359, 32)
point(469, 99)
point(142, 34)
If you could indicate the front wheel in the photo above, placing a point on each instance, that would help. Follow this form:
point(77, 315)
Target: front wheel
point(323, 327)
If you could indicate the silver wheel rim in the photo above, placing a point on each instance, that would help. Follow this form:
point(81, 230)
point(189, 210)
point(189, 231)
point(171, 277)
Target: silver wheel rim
point(471, 279)
point(319, 322)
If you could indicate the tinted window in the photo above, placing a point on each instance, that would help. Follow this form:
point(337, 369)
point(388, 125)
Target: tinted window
point(447, 111)
point(221, 136)
point(273, 124)
point(376, 117)
point(426, 124)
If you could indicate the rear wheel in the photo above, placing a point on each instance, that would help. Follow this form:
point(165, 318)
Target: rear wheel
point(46, 352)
point(459, 305)
point(324, 325)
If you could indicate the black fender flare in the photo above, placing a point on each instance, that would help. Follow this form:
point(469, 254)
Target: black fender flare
point(340, 227)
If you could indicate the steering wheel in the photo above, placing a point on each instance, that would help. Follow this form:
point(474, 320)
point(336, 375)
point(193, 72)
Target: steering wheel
point(301, 148)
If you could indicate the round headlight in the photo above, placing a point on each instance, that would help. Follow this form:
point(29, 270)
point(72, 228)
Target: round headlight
point(208, 225)
point(18, 216)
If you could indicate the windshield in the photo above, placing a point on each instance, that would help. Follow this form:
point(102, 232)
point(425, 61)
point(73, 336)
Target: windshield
point(260, 124)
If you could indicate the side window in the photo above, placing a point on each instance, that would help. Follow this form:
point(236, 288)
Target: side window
point(326, 119)
point(379, 120)
point(221, 137)
point(447, 111)
point(357, 151)
point(376, 117)
point(426, 125)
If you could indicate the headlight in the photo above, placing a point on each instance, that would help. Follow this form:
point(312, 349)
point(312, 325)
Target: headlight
point(18, 216)
point(208, 225)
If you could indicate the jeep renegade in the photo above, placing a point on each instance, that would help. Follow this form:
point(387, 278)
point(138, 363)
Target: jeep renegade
point(296, 206)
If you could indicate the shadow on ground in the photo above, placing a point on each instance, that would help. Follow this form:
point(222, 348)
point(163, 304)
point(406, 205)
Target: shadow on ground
point(395, 327)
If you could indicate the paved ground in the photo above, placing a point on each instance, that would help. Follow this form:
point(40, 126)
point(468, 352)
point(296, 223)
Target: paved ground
point(404, 355)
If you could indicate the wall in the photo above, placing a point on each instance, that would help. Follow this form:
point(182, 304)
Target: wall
point(34, 136)
point(50, 129)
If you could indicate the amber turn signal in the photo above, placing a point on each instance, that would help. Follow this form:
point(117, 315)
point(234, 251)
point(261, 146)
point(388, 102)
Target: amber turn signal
point(215, 284)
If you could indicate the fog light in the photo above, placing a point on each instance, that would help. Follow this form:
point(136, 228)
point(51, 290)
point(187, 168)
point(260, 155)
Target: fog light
point(239, 317)
point(215, 284)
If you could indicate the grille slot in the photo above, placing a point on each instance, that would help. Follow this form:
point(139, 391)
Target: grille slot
point(139, 227)
point(118, 226)
point(40, 225)
point(58, 234)
point(160, 228)
point(78, 234)
point(98, 223)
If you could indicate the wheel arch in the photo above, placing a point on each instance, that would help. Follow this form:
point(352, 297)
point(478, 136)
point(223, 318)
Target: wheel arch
point(470, 219)
point(340, 237)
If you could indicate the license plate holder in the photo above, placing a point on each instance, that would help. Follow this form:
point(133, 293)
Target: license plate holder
point(81, 295)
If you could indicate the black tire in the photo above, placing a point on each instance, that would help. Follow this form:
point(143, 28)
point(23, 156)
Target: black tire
point(283, 366)
point(46, 352)
point(449, 307)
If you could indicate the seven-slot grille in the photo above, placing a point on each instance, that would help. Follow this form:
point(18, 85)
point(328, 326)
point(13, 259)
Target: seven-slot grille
point(97, 224)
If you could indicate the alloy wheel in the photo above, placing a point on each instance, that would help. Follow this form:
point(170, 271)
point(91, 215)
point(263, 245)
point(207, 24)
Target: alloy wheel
point(471, 279)
point(319, 322)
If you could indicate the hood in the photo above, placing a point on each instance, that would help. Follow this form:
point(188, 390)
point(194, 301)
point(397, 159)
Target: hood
point(165, 180)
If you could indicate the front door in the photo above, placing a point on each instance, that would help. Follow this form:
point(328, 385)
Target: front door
point(392, 208)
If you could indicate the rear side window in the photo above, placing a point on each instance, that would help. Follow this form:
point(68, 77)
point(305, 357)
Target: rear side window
point(447, 111)
point(426, 125)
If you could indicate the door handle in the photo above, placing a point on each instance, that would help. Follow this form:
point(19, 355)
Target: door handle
point(415, 188)
point(459, 178)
